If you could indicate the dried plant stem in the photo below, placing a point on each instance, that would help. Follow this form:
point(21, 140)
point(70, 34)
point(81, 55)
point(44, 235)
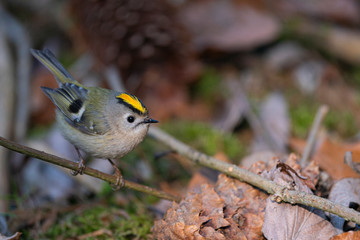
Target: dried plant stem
point(348, 161)
point(88, 171)
point(313, 133)
point(280, 192)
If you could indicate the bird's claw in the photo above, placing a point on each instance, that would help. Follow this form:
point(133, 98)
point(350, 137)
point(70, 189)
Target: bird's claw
point(81, 168)
point(120, 182)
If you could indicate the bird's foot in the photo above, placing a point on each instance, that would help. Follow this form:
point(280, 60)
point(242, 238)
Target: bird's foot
point(120, 182)
point(81, 168)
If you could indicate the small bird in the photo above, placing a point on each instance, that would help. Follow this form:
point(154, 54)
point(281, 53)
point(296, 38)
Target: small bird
point(101, 122)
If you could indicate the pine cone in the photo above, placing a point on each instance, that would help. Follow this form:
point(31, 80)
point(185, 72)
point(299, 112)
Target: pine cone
point(132, 34)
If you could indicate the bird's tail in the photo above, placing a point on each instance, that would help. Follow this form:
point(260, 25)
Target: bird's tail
point(47, 58)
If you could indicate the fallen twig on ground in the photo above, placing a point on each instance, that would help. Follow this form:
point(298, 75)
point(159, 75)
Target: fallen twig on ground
point(280, 192)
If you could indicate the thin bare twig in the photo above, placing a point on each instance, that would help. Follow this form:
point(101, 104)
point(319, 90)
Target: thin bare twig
point(322, 111)
point(279, 191)
point(88, 171)
point(354, 165)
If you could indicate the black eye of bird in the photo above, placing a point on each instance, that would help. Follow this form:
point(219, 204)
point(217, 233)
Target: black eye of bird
point(130, 119)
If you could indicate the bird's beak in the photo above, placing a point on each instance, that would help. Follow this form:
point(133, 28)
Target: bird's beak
point(150, 120)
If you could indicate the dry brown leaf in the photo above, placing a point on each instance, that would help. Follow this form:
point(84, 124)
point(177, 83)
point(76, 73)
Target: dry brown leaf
point(310, 173)
point(286, 221)
point(344, 192)
point(42, 109)
point(343, 11)
point(227, 26)
point(297, 144)
point(330, 157)
point(339, 41)
point(230, 210)
point(352, 235)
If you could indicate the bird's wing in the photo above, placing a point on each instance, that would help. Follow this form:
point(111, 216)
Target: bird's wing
point(72, 100)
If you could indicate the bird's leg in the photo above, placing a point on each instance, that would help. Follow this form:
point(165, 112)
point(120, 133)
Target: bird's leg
point(81, 166)
point(119, 178)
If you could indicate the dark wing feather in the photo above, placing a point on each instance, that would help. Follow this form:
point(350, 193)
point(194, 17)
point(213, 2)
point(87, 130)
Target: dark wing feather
point(71, 100)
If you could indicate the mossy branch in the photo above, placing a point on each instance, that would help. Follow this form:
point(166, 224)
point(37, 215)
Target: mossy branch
point(88, 171)
point(279, 192)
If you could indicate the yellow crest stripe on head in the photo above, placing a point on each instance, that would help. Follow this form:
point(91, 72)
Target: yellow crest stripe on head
point(132, 101)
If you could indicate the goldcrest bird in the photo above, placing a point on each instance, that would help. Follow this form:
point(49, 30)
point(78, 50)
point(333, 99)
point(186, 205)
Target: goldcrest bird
point(101, 122)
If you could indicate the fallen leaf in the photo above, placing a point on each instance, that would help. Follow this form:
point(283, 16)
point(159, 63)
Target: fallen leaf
point(342, 42)
point(330, 157)
point(287, 221)
point(229, 210)
point(343, 11)
point(308, 75)
point(352, 235)
point(310, 173)
point(275, 118)
point(285, 55)
point(344, 192)
point(235, 104)
point(224, 25)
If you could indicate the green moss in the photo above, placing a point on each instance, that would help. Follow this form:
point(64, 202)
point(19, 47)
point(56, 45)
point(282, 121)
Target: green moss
point(38, 131)
point(121, 226)
point(205, 138)
point(302, 117)
point(208, 86)
point(355, 75)
point(342, 122)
